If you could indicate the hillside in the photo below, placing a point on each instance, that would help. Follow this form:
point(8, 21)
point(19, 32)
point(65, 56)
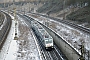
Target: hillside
point(51, 6)
point(81, 15)
point(75, 10)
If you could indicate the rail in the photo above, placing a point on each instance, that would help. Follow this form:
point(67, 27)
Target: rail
point(5, 29)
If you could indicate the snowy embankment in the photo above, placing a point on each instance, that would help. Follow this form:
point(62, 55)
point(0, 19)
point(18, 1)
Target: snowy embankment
point(73, 36)
point(5, 49)
point(24, 48)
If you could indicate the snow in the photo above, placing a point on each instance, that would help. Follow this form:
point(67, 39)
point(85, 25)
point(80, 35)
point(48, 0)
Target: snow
point(5, 49)
point(25, 48)
point(73, 36)
point(28, 44)
point(12, 51)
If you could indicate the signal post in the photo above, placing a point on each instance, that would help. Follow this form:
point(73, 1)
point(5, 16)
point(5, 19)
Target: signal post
point(16, 25)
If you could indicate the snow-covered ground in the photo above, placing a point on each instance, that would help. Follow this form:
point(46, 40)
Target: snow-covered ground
point(25, 48)
point(73, 36)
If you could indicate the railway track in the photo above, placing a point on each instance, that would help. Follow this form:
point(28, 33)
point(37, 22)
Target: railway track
point(5, 30)
point(41, 46)
point(49, 55)
point(54, 54)
point(81, 28)
point(1, 18)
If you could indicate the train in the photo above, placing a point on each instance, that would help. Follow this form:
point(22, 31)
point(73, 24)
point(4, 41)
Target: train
point(45, 37)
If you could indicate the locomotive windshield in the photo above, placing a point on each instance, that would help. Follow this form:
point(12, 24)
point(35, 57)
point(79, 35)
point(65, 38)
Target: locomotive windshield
point(49, 41)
